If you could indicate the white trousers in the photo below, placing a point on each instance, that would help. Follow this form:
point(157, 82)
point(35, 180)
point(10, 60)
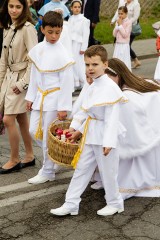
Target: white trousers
point(108, 167)
point(48, 117)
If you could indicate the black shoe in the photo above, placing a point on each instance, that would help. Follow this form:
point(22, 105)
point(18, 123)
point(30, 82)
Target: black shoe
point(15, 168)
point(28, 164)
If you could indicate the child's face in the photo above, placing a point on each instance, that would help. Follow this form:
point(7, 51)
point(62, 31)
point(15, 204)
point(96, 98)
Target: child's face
point(122, 14)
point(95, 67)
point(76, 8)
point(52, 34)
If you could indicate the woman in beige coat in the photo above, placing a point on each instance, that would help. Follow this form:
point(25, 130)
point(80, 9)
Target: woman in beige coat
point(19, 37)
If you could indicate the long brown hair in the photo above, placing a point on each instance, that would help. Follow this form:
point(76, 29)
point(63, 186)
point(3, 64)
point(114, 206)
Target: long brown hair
point(126, 77)
point(5, 18)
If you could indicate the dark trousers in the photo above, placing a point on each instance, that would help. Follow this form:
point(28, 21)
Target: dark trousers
point(132, 53)
point(91, 36)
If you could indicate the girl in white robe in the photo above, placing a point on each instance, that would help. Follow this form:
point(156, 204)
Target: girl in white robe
point(122, 33)
point(79, 28)
point(139, 166)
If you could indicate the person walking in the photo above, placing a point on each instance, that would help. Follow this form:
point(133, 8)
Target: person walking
point(98, 120)
point(49, 94)
point(19, 37)
point(134, 9)
point(122, 33)
point(91, 10)
point(79, 33)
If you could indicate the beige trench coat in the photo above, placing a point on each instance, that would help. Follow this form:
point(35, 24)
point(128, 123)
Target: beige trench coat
point(15, 67)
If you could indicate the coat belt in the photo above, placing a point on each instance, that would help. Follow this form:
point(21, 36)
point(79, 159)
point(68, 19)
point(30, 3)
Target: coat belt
point(16, 67)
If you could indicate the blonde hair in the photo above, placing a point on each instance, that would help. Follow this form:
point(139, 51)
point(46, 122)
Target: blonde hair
point(126, 77)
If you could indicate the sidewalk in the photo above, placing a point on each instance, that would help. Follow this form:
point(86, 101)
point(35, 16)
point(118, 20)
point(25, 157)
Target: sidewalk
point(143, 48)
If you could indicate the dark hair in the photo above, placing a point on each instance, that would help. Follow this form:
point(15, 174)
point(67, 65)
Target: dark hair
point(5, 18)
point(97, 50)
point(126, 77)
point(52, 19)
point(124, 9)
point(74, 1)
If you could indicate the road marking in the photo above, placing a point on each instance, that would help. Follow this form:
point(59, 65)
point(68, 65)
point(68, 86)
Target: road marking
point(32, 195)
point(22, 185)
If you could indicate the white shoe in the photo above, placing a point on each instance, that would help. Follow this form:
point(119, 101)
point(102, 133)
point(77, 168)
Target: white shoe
point(63, 211)
point(38, 179)
point(108, 210)
point(97, 186)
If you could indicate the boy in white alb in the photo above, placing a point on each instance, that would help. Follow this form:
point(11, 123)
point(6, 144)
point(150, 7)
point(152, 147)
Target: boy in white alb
point(99, 123)
point(79, 28)
point(50, 90)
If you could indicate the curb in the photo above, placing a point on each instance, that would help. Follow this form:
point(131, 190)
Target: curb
point(152, 55)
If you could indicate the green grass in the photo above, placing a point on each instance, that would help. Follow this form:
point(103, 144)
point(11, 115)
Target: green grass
point(103, 31)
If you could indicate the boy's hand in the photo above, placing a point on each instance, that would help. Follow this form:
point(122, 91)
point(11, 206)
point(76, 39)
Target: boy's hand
point(75, 135)
point(69, 130)
point(62, 115)
point(29, 106)
point(106, 151)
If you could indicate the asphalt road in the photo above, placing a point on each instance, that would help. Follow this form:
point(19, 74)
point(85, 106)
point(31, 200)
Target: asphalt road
point(24, 208)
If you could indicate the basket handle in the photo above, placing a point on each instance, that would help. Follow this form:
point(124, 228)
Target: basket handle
point(67, 119)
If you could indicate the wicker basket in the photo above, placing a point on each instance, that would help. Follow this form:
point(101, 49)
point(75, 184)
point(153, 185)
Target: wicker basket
point(60, 152)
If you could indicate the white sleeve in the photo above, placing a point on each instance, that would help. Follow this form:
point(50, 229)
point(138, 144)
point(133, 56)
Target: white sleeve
point(136, 13)
point(111, 127)
point(66, 89)
point(115, 17)
point(33, 87)
point(86, 32)
point(78, 119)
point(78, 103)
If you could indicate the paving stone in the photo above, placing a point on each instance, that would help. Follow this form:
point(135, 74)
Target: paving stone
point(18, 229)
point(138, 228)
